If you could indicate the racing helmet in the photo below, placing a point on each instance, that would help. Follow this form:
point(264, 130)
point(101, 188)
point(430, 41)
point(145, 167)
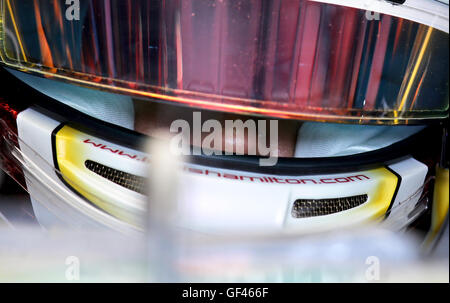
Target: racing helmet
point(357, 91)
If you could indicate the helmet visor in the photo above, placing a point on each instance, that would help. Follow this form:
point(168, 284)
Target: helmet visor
point(291, 59)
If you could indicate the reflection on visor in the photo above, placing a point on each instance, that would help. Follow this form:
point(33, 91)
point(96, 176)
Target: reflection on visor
point(296, 59)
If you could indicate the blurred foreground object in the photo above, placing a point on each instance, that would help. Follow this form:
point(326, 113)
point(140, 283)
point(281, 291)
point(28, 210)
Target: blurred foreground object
point(32, 255)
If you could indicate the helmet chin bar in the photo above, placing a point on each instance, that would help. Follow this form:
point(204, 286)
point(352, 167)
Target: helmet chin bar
point(57, 160)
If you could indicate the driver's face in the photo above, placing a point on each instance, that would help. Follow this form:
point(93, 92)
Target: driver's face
point(154, 119)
